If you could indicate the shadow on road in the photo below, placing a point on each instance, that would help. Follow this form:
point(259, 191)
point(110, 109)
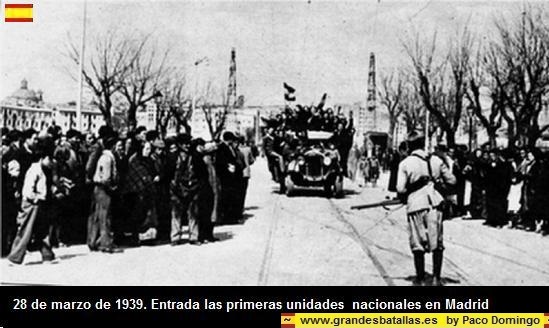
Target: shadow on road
point(61, 257)
point(313, 192)
point(222, 236)
point(429, 280)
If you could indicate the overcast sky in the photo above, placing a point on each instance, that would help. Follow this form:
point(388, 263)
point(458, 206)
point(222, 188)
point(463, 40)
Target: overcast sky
point(314, 46)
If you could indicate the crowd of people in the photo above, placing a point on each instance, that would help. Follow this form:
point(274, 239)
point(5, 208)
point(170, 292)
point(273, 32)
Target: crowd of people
point(495, 175)
point(111, 190)
point(287, 130)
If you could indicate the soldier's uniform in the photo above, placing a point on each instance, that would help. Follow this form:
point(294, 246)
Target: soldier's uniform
point(423, 206)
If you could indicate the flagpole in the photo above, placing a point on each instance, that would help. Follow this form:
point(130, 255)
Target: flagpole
point(80, 70)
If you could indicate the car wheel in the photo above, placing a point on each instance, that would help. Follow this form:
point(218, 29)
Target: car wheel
point(290, 186)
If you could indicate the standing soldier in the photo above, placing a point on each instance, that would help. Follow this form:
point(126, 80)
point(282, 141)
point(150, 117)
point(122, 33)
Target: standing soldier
point(417, 175)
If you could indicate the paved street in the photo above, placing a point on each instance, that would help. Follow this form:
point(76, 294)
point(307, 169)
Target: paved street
point(304, 240)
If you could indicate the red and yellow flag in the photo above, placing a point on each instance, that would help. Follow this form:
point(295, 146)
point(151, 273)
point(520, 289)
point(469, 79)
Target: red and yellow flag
point(20, 12)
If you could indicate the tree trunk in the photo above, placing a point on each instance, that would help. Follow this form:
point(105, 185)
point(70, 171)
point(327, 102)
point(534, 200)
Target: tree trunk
point(132, 116)
point(492, 137)
point(450, 138)
point(106, 117)
point(106, 111)
point(391, 131)
point(187, 127)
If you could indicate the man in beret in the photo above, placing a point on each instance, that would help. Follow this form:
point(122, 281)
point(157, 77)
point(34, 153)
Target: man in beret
point(416, 179)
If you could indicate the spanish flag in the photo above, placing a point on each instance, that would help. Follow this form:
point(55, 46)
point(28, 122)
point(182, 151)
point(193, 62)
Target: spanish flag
point(18, 12)
point(287, 320)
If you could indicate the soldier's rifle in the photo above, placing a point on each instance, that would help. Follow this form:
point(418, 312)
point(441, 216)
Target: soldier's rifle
point(402, 198)
point(389, 202)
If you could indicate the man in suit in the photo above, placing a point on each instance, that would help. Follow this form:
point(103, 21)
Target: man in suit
point(229, 170)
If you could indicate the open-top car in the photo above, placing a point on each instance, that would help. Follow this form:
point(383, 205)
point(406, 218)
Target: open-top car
point(315, 163)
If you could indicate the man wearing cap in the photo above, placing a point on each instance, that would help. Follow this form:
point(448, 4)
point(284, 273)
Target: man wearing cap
point(416, 178)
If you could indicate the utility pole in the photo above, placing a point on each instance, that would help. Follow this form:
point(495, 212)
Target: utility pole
point(80, 73)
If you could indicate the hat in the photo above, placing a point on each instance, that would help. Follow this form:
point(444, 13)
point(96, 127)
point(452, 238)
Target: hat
point(151, 135)
point(183, 138)
point(159, 144)
point(228, 136)
point(415, 135)
point(198, 142)
point(105, 131)
point(14, 135)
point(72, 133)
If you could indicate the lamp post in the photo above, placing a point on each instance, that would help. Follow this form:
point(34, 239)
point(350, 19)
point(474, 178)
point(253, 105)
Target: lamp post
point(470, 110)
point(196, 64)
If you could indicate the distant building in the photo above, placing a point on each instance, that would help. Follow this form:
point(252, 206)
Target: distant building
point(25, 109)
point(25, 97)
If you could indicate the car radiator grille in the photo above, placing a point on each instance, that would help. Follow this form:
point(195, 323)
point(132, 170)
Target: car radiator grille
point(313, 166)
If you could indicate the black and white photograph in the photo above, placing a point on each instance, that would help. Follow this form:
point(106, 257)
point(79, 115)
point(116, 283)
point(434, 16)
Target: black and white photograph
point(274, 143)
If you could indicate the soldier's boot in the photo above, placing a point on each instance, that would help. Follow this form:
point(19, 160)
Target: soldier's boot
point(419, 263)
point(437, 268)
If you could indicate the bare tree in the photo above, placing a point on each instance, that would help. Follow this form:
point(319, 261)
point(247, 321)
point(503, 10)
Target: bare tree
point(216, 116)
point(441, 80)
point(107, 63)
point(479, 79)
point(413, 111)
point(390, 96)
point(146, 70)
point(174, 104)
point(519, 65)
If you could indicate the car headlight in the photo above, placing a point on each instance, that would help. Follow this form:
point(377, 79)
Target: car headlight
point(301, 160)
point(327, 161)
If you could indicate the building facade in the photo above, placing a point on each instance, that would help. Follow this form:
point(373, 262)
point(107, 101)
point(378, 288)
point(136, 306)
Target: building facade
point(25, 109)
